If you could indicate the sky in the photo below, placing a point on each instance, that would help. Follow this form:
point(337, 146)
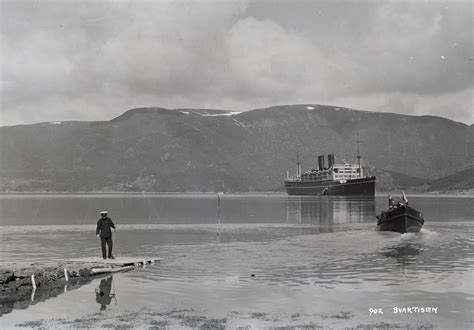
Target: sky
point(93, 60)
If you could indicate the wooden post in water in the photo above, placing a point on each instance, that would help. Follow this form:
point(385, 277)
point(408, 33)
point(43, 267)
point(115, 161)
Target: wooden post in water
point(33, 282)
point(219, 213)
point(33, 294)
point(115, 237)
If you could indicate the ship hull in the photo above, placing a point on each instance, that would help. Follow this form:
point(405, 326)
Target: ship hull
point(356, 187)
point(403, 219)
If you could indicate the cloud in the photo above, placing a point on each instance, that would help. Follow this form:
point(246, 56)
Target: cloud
point(417, 47)
point(455, 105)
point(271, 61)
point(98, 60)
point(102, 58)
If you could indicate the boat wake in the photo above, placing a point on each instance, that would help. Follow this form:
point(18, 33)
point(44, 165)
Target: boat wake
point(425, 231)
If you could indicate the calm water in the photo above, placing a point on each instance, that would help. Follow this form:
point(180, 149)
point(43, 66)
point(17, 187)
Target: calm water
point(278, 261)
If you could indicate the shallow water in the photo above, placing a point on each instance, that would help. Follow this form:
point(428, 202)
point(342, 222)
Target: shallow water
point(277, 261)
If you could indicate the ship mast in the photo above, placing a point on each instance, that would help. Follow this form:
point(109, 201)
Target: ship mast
point(358, 155)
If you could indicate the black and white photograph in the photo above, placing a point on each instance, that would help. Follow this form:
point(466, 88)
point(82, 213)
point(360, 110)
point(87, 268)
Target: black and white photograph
point(236, 164)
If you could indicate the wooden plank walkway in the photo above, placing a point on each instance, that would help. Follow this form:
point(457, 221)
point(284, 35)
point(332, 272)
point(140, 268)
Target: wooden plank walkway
point(119, 261)
point(98, 265)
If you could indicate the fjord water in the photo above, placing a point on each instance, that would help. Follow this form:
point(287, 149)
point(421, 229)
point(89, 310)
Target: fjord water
point(278, 261)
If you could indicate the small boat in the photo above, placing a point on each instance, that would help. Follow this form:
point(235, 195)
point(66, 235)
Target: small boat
point(400, 217)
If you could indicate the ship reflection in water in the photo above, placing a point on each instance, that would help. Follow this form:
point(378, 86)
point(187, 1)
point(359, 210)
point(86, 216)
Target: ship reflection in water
point(329, 210)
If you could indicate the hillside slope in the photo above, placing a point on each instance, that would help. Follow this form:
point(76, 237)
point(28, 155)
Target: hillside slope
point(462, 181)
point(156, 149)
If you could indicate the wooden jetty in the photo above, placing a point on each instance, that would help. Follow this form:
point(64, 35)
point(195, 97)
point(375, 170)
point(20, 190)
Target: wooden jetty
point(100, 266)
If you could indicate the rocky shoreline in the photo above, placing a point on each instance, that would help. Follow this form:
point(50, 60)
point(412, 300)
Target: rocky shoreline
point(26, 284)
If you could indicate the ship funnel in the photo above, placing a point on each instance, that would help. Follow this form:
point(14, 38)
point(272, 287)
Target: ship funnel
point(321, 162)
point(330, 160)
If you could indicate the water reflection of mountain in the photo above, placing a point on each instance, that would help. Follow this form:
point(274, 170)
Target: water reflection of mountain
point(329, 209)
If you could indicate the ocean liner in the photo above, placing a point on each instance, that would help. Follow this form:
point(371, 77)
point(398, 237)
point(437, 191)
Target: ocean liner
point(336, 179)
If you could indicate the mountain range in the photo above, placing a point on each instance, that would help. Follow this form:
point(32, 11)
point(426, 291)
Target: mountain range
point(198, 150)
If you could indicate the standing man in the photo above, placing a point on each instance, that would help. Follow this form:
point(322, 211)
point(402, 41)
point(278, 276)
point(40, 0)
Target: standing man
point(105, 233)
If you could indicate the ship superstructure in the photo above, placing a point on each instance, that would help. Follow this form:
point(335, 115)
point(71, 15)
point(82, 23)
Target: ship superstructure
point(343, 179)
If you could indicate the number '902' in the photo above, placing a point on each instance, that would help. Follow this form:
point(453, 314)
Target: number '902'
point(373, 311)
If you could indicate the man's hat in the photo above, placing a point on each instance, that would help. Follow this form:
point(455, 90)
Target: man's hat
point(103, 212)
